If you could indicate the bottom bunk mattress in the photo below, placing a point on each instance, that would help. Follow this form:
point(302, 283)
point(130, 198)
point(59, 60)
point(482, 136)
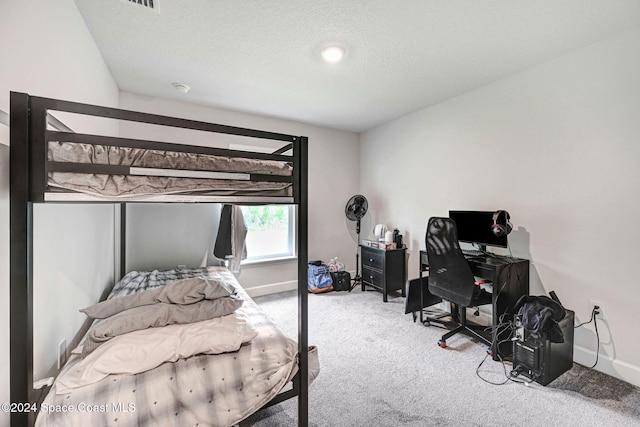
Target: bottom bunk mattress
point(197, 390)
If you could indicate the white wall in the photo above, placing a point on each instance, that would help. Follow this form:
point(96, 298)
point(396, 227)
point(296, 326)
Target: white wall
point(333, 178)
point(164, 236)
point(557, 146)
point(47, 51)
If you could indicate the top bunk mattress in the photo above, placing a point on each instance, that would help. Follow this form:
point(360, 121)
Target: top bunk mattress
point(161, 172)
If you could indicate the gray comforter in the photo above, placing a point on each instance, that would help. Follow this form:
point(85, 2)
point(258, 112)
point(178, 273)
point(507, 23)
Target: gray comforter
point(204, 390)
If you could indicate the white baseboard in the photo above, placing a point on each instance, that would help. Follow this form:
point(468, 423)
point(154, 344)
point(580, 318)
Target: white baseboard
point(616, 368)
point(272, 288)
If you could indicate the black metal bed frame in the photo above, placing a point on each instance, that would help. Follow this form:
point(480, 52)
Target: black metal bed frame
point(29, 169)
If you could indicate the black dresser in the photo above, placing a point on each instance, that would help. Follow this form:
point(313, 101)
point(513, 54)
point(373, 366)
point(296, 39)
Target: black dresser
point(384, 270)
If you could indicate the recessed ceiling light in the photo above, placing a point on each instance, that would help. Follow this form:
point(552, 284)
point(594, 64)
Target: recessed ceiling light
point(333, 54)
point(180, 87)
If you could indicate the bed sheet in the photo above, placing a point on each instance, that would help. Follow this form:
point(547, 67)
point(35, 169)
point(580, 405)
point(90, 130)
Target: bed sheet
point(167, 161)
point(203, 390)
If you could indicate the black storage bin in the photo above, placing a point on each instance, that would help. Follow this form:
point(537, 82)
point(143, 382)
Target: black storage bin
point(413, 302)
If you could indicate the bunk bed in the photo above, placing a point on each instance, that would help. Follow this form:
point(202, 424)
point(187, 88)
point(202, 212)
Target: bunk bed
point(53, 166)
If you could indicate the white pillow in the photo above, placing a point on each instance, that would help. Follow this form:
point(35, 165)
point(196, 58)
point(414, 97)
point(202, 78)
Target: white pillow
point(142, 350)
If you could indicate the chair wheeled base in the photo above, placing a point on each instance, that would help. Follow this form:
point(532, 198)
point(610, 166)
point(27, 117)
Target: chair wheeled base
point(463, 327)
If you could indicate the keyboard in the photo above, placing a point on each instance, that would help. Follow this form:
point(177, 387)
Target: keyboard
point(471, 253)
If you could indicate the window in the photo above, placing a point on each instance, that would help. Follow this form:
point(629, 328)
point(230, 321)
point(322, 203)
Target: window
point(271, 232)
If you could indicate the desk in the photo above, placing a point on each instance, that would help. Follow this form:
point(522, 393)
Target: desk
point(510, 280)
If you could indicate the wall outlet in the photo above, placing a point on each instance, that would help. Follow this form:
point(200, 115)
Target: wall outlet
point(62, 353)
point(601, 310)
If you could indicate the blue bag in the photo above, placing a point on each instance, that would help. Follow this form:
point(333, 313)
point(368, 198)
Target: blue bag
point(319, 279)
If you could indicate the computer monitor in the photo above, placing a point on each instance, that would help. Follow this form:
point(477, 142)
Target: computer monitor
point(475, 227)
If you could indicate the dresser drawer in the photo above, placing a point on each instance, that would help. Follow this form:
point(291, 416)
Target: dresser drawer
point(373, 259)
point(384, 270)
point(373, 277)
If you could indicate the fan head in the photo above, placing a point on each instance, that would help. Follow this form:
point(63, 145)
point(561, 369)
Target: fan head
point(356, 208)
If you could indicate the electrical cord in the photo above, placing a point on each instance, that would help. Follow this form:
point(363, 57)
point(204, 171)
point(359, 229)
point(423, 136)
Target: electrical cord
point(509, 376)
point(486, 380)
point(593, 319)
point(512, 263)
point(496, 331)
point(503, 325)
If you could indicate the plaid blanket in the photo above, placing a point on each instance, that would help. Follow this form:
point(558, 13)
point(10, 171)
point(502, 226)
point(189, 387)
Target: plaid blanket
point(203, 390)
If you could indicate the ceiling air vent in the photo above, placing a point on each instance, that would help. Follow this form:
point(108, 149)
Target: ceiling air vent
point(149, 4)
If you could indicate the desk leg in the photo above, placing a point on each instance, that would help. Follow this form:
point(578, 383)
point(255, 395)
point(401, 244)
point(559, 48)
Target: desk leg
point(421, 299)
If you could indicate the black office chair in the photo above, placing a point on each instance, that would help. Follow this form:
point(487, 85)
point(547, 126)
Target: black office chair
point(450, 277)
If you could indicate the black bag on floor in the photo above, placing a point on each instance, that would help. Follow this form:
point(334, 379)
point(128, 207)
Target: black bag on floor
point(341, 280)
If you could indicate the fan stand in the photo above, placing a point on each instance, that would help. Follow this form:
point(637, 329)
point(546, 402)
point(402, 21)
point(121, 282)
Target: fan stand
point(358, 279)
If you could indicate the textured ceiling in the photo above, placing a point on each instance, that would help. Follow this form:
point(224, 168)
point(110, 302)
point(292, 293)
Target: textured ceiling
point(401, 55)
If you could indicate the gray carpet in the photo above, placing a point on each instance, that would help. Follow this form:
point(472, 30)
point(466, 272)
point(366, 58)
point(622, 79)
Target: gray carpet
point(379, 368)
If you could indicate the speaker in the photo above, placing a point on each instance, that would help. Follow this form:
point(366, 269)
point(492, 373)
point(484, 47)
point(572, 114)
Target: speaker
point(497, 227)
point(541, 360)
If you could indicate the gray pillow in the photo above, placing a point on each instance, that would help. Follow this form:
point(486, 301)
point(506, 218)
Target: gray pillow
point(185, 291)
point(157, 315)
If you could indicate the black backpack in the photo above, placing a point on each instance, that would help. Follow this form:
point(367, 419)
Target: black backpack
point(341, 280)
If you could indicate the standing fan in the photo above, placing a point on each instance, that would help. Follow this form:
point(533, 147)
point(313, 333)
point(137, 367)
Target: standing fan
point(355, 210)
